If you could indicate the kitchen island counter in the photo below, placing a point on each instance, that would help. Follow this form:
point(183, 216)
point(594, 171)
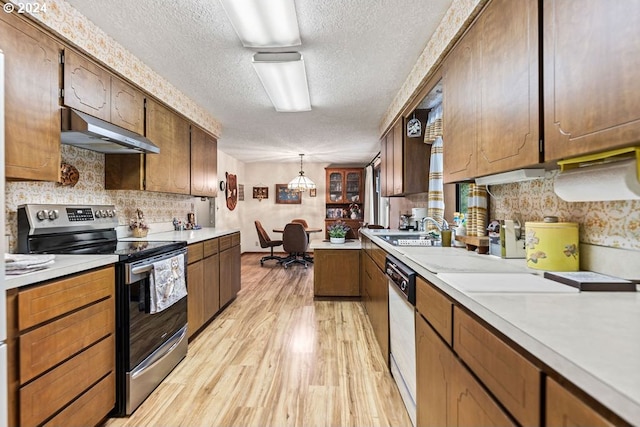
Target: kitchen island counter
point(189, 236)
point(589, 338)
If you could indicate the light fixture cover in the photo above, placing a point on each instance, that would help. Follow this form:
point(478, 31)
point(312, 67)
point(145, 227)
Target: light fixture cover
point(264, 24)
point(301, 182)
point(518, 175)
point(284, 78)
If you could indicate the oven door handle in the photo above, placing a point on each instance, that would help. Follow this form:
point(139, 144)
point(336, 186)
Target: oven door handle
point(142, 269)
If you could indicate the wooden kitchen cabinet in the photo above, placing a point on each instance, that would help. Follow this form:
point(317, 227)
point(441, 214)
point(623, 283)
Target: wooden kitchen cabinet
point(229, 267)
point(336, 273)
point(92, 89)
point(376, 302)
point(61, 344)
point(32, 113)
point(344, 187)
point(591, 88)
point(490, 100)
point(168, 171)
point(204, 163)
point(565, 409)
point(203, 284)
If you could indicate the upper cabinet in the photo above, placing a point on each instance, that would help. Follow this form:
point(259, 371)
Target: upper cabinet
point(491, 93)
point(591, 87)
point(204, 163)
point(344, 185)
point(168, 171)
point(32, 113)
point(405, 160)
point(94, 90)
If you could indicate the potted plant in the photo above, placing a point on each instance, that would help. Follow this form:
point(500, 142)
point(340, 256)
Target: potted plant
point(338, 231)
point(138, 225)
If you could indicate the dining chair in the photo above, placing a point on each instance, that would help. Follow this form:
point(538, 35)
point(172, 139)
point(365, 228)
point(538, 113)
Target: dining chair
point(266, 242)
point(375, 227)
point(300, 221)
point(295, 243)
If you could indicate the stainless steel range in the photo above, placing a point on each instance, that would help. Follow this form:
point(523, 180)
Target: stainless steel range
point(149, 343)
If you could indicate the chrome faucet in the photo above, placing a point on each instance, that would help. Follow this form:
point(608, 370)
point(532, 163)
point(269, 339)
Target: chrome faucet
point(444, 226)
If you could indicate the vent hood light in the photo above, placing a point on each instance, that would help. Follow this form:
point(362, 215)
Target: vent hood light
point(84, 131)
point(512, 176)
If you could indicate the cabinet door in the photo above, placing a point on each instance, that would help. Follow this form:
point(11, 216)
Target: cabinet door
point(415, 172)
point(460, 110)
point(211, 286)
point(398, 156)
point(336, 273)
point(389, 162)
point(229, 274)
point(591, 87)
point(32, 114)
point(204, 163)
point(127, 106)
point(379, 313)
point(195, 297)
point(335, 182)
point(168, 171)
point(383, 166)
point(564, 409)
point(353, 186)
point(434, 364)
point(507, 37)
point(87, 86)
point(470, 405)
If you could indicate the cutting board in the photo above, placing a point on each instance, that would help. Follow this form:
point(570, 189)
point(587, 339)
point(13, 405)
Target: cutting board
point(504, 283)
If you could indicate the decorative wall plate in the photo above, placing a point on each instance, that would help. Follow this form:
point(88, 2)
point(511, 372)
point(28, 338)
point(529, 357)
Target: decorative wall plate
point(69, 175)
point(414, 127)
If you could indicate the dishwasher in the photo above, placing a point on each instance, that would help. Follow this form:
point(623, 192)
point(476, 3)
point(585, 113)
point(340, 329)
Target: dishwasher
point(402, 331)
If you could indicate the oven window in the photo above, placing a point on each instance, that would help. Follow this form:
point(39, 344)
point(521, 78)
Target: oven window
point(148, 331)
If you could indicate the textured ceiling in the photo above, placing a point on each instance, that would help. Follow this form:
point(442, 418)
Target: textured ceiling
point(357, 55)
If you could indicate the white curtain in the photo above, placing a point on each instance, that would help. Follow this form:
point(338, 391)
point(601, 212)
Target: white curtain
point(435, 199)
point(369, 194)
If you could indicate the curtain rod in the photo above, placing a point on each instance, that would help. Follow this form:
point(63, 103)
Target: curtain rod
point(374, 159)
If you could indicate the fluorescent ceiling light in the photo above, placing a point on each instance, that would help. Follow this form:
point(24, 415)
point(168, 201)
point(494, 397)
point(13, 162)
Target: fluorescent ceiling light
point(264, 24)
point(284, 78)
point(512, 176)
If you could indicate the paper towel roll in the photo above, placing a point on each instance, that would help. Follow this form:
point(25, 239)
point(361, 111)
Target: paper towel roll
point(611, 181)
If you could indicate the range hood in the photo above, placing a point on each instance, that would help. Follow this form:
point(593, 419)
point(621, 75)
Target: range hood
point(85, 131)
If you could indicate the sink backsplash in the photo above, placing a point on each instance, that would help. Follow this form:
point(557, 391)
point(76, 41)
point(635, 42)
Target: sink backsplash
point(614, 224)
point(157, 207)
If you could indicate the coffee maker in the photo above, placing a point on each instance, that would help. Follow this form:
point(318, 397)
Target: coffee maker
point(405, 222)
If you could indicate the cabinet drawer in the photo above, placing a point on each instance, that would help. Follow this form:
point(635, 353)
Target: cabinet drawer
point(210, 247)
point(90, 408)
point(46, 302)
point(235, 239)
point(509, 376)
point(63, 384)
point(225, 242)
point(44, 347)
point(195, 252)
point(379, 256)
point(436, 308)
point(564, 408)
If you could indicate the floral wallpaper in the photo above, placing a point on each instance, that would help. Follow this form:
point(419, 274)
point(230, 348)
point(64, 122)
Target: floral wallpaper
point(157, 207)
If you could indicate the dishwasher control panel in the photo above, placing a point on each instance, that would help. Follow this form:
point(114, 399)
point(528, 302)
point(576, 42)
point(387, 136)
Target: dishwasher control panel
point(403, 278)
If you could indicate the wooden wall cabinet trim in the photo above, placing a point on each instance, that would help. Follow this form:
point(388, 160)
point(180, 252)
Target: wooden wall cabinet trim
point(510, 377)
point(204, 163)
point(336, 272)
point(32, 111)
point(591, 87)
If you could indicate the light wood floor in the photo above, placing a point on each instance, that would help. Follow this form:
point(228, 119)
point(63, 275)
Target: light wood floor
point(276, 357)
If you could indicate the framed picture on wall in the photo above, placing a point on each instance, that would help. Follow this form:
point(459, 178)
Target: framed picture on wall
point(241, 192)
point(312, 192)
point(286, 196)
point(260, 193)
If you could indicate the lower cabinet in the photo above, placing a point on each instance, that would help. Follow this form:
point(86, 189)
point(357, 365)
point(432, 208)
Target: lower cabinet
point(61, 346)
point(336, 272)
point(376, 303)
point(564, 408)
point(229, 267)
point(203, 283)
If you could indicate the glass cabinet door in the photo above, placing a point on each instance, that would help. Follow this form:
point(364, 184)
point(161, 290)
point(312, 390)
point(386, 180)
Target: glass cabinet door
point(352, 193)
point(335, 187)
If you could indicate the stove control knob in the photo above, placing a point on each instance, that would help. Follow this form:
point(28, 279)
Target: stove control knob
point(109, 213)
point(96, 214)
point(53, 214)
point(103, 213)
point(42, 215)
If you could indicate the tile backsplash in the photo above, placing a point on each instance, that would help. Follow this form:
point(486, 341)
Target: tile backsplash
point(157, 207)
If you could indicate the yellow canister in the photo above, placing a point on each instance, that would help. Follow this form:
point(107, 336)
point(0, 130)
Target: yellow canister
point(552, 246)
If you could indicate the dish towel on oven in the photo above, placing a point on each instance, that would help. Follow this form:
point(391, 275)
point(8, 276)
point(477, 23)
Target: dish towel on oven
point(167, 283)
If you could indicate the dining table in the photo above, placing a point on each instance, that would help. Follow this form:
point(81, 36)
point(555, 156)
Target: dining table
point(308, 230)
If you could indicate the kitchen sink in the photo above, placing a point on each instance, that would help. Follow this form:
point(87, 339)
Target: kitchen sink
point(411, 239)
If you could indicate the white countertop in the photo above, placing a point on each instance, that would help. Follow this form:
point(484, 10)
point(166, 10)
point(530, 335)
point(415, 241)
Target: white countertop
point(349, 244)
point(71, 264)
point(590, 338)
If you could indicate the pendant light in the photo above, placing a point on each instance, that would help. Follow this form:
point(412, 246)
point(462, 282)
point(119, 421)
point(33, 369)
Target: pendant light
point(301, 182)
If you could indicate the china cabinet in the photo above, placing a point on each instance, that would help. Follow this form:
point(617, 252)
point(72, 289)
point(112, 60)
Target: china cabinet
point(344, 198)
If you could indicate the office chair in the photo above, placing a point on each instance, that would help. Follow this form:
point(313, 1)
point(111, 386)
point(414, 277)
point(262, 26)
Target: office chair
point(295, 242)
point(266, 242)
